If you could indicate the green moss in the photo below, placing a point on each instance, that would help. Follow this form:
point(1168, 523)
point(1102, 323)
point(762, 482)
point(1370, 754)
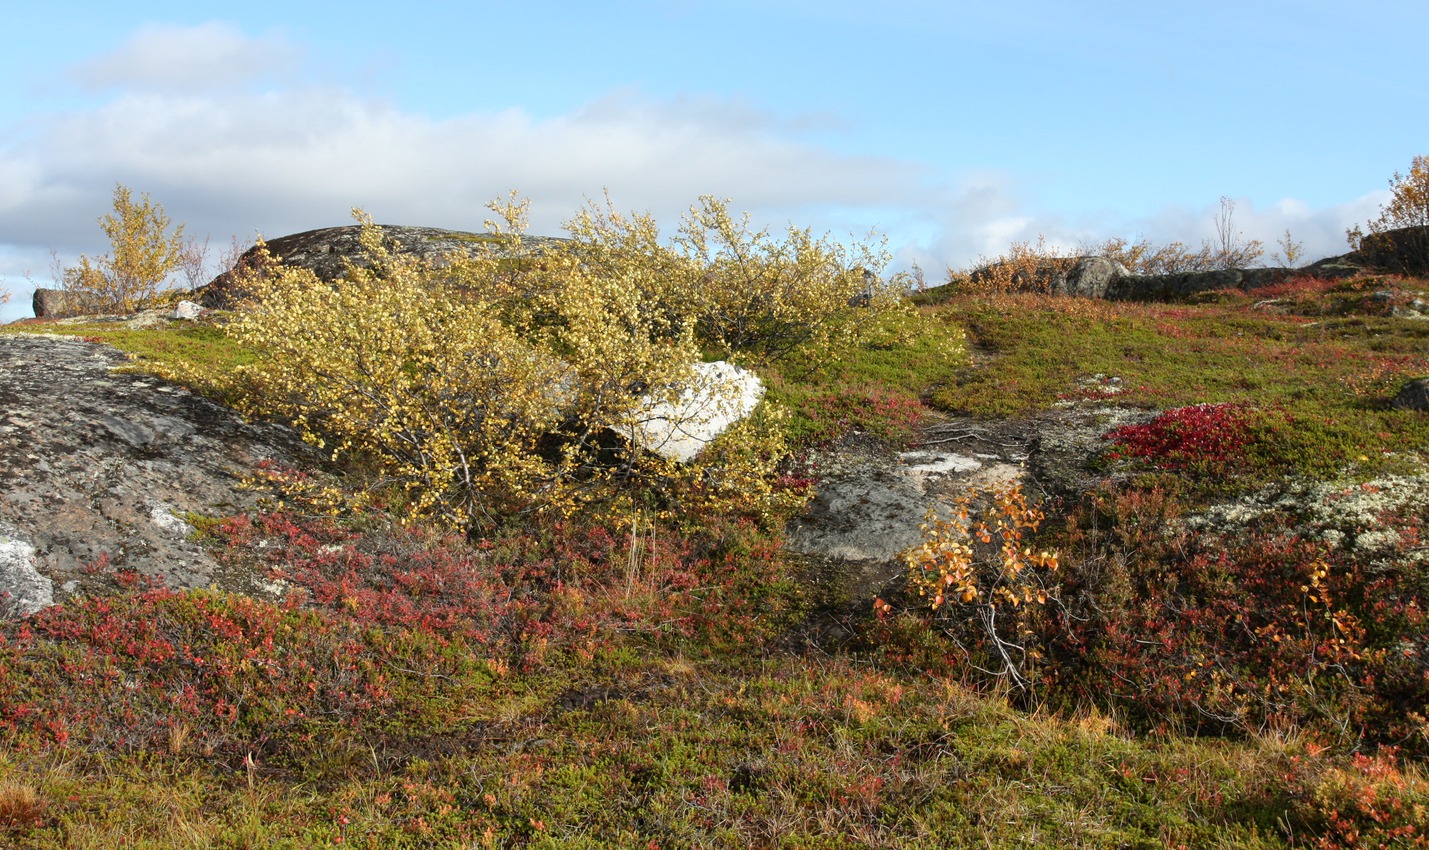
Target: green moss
point(1329, 381)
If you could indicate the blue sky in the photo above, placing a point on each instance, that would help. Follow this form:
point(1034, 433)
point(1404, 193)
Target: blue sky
point(952, 128)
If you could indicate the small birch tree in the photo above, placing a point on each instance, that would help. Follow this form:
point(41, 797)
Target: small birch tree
point(143, 252)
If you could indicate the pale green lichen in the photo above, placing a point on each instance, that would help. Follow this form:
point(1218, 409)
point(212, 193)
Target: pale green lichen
point(1361, 517)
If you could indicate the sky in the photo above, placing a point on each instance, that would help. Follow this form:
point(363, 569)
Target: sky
point(950, 129)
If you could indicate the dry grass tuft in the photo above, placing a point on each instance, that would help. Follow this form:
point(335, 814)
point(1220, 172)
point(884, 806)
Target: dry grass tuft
point(20, 805)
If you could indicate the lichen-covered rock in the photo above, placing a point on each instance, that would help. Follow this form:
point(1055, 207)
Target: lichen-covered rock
point(23, 591)
point(1091, 277)
point(63, 304)
point(718, 395)
point(329, 251)
point(871, 502)
point(99, 469)
point(187, 311)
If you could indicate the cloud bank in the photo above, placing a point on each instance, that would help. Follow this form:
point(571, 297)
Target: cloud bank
point(222, 129)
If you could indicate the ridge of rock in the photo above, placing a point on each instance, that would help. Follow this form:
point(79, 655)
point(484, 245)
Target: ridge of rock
point(327, 252)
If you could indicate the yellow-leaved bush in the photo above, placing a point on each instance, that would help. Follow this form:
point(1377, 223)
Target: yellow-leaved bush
point(746, 294)
point(486, 386)
point(983, 585)
point(143, 253)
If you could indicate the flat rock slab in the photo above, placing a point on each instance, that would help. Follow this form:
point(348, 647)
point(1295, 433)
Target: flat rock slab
point(98, 470)
point(871, 503)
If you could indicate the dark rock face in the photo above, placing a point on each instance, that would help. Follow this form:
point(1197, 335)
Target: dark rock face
point(1413, 396)
point(1404, 250)
point(1182, 285)
point(100, 468)
point(329, 251)
point(63, 304)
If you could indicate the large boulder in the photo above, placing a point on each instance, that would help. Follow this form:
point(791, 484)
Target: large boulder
point(871, 502)
point(1413, 396)
point(64, 304)
point(1403, 250)
point(1090, 277)
point(328, 252)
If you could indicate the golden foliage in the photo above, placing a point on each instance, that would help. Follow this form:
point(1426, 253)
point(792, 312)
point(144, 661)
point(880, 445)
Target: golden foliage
point(1291, 252)
point(21, 805)
point(142, 254)
point(981, 582)
point(747, 295)
point(1408, 207)
point(1142, 257)
point(483, 386)
point(1409, 200)
point(1026, 267)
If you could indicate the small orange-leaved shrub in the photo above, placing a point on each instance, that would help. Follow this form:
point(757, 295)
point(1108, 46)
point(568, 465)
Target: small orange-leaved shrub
point(983, 586)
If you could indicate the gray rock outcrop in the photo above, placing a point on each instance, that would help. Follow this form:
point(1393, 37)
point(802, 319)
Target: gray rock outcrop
point(1413, 396)
point(1403, 250)
point(63, 304)
point(329, 251)
point(1090, 277)
point(871, 503)
point(99, 471)
point(1182, 285)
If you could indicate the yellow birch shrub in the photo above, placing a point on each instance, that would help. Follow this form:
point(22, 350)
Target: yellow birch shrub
point(1025, 267)
point(143, 253)
point(1408, 207)
point(748, 295)
point(492, 385)
point(445, 402)
point(1143, 257)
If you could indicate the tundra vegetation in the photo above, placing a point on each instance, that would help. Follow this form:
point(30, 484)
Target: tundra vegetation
point(504, 627)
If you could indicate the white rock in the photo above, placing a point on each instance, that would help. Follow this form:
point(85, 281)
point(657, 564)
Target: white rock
point(719, 395)
point(926, 464)
point(187, 310)
point(163, 516)
point(26, 590)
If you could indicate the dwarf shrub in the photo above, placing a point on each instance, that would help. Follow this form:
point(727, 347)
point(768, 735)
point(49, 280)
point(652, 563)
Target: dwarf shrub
point(488, 386)
point(984, 587)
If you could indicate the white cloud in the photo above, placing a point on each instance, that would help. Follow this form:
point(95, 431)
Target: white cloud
point(181, 121)
point(1321, 232)
point(989, 217)
point(301, 157)
point(170, 57)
